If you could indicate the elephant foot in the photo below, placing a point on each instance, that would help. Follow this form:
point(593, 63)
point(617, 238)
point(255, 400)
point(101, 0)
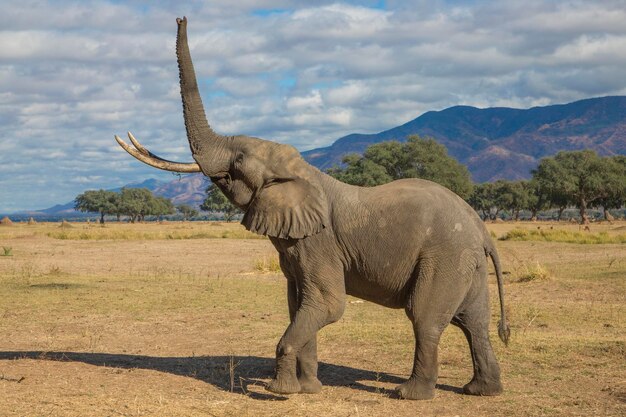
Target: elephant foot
point(310, 385)
point(478, 387)
point(284, 386)
point(416, 390)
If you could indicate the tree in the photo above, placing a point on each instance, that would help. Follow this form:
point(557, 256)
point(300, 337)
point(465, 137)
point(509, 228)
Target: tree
point(551, 179)
point(537, 199)
point(615, 185)
point(417, 158)
point(512, 196)
point(483, 200)
point(187, 211)
point(137, 203)
point(577, 176)
point(360, 171)
point(160, 206)
point(217, 202)
point(100, 201)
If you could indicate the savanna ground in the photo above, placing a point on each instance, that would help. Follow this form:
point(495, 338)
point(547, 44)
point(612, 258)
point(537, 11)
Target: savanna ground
point(182, 319)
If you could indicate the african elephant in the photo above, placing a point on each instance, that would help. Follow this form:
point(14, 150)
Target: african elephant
point(409, 244)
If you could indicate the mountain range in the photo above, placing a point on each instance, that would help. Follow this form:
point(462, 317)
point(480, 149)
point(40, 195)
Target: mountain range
point(495, 143)
point(499, 142)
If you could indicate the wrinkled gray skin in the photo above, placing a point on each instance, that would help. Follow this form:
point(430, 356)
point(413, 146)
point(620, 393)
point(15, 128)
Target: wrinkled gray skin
point(409, 244)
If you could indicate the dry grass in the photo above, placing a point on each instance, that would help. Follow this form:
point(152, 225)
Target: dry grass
point(267, 264)
point(126, 231)
point(535, 272)
point(188, 327)
point(566, 236)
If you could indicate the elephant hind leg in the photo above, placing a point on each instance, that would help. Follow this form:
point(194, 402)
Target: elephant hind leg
point(473, 320)
point(421, 383)
point(430, 309)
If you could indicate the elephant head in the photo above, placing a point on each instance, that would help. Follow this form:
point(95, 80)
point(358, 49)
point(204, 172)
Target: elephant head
point(279, 192)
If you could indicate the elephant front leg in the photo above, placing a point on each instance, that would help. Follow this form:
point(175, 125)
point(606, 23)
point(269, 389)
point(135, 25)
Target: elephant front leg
point(306, 359)
point(298, 345)
point(307, 366)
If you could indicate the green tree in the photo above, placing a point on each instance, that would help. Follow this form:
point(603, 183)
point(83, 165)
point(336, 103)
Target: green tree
point(160, 206)
point(579, 177)
point(512, 196)
point(551, 180)
point(187, 211)
point(360, 171)
point(217, 202)
point(137, 203)
point(417, 158)
point(483, 200)
point(615, 185)
point(537, 200)
point(100, 201)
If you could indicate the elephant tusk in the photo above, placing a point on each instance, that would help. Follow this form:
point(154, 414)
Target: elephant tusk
point(147, 157)
point(138, 145)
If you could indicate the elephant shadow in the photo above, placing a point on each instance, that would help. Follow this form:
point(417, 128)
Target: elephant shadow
point(228, 373)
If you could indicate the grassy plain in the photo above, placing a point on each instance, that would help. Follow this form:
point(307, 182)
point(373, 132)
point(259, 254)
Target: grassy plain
point(181, 319)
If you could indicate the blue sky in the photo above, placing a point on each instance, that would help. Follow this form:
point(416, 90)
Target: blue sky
point(74, 73)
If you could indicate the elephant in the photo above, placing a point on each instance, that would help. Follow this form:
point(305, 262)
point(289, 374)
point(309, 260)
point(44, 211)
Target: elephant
point(410, 244)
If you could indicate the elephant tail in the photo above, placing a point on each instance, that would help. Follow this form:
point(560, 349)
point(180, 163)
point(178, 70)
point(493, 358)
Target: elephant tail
point(504, 331)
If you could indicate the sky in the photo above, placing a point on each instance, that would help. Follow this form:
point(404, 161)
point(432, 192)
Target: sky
point(74, 73)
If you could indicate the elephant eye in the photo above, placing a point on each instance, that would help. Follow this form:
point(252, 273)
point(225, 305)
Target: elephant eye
point(222, 180)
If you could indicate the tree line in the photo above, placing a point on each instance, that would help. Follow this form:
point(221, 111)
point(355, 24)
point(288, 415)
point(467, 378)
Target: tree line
point(137, 203)
point(580, 179)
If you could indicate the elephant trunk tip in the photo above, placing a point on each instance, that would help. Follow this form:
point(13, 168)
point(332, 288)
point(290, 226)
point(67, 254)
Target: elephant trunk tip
point(504, 332)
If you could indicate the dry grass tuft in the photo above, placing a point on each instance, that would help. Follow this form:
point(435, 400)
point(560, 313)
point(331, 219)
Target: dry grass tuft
point(65, 225)
point(531, 273)
point(267, 264)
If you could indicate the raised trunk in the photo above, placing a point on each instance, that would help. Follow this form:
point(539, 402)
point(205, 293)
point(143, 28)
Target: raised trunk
point(204, 142)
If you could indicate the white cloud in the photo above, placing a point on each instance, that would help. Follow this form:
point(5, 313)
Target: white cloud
point(72, 74)
point(313, 100)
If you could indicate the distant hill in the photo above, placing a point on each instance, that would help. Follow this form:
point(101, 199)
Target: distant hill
point(494, 143)
point(502, 143)
point(189, 189)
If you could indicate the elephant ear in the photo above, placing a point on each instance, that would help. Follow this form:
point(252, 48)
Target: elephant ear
point(291, 204)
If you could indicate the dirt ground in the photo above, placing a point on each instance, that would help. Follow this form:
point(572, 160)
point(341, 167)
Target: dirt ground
point(182, 319)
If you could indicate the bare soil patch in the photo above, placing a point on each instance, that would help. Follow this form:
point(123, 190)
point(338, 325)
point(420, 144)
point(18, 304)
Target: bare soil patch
point(187, 326)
